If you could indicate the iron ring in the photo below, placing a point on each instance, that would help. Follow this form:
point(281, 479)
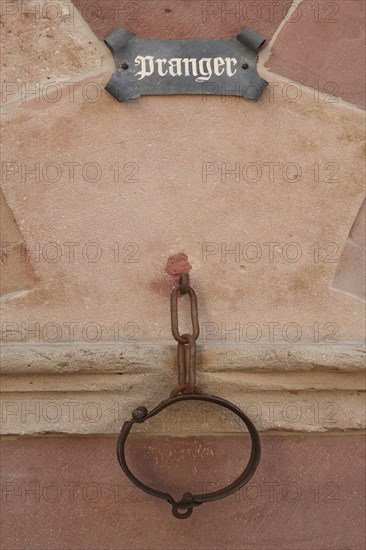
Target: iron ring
point(190, 501)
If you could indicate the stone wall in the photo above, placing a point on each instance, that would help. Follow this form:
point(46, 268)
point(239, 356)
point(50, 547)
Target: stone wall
point(105, 204)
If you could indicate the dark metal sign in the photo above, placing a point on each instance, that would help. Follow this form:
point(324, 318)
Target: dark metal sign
point(168, 67)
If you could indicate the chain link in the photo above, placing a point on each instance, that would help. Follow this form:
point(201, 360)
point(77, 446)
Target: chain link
point(186, 342)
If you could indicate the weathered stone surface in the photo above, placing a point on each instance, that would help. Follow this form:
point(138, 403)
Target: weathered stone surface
point(108, 198)
point(358, 231)
point(314, 388)
point(160, 357)
point(183, 19)
point(58, 51)
point(258, 199)
point(322, 46)
point(316, 484)
point(103, 412)
point(167, 196)
point(350, 274)
point(17, 272)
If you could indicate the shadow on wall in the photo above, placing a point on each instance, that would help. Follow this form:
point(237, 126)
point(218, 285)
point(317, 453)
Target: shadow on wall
point(350, 274)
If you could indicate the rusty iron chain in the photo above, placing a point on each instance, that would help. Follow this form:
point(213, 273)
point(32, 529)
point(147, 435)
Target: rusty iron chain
point(186, 390)
point(187, 350)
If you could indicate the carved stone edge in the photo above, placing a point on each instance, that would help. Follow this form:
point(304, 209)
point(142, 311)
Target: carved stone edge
point(86, 389)
point(67, 358)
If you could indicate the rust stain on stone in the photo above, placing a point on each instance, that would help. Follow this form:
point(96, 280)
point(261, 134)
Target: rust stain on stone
point(175, 266)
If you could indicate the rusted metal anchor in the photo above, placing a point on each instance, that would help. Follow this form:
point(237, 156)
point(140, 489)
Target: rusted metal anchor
point(186, 390)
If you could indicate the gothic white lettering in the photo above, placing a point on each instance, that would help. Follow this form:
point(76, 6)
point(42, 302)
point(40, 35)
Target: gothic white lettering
point(202, 69)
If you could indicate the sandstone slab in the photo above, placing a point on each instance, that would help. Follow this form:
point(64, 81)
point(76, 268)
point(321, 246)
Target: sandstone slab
point(93, 390)
point(183, 19)
point(322, 46)
point(17, 274)
point(261, 210)
point(308, 493)
point(47, 50)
